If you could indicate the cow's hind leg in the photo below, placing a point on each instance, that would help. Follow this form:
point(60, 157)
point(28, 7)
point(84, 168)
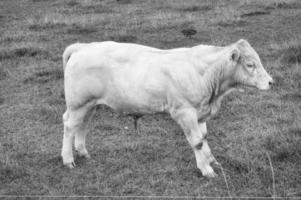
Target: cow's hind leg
point(80, 136)
point(73, 124)
point(195, 134)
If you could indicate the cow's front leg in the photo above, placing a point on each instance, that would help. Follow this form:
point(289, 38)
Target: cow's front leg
point(203, 129)
point(187, 119)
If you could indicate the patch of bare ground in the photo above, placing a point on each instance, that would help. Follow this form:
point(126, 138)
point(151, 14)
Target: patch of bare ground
point(255, 13)
point(189, 32)
point(292, 54)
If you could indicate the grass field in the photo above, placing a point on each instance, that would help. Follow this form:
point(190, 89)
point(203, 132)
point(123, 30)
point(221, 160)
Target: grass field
point(256, 136)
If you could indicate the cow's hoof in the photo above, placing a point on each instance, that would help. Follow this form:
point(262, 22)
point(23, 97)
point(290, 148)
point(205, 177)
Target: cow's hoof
point(70, 165)
point(215, 162)
point(83, 154)
point(87, 156)
point(210, 175)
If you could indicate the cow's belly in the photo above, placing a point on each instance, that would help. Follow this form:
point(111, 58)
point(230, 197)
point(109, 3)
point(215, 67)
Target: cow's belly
point(136, 100)
point(128, 105)
point(136, 91)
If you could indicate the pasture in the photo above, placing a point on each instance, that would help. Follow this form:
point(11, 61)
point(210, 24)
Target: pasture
point(256, 136)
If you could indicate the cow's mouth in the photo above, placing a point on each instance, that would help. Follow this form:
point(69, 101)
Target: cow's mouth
point(242, 88)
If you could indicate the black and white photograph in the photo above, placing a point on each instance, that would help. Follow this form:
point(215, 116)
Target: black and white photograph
point(150, 99)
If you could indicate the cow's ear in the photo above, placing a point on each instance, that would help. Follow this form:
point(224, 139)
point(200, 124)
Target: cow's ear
point(235, 55)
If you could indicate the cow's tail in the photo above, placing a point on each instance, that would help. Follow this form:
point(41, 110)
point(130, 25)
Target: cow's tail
point(69, 51)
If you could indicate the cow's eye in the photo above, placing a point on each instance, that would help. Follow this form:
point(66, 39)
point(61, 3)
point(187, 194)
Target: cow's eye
point(249, 65)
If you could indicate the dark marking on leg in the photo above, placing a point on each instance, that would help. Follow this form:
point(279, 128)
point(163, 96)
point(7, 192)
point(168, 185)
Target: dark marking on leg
point(199, 145)
point(136, 118)
point(136, 121)
point(67, 128)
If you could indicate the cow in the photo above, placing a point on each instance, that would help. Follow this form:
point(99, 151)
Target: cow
point(186, 83)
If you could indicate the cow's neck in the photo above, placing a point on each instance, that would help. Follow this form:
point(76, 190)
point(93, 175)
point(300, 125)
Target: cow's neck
point(218, 84)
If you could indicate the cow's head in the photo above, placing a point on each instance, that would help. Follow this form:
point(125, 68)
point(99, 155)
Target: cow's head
point(248, 68)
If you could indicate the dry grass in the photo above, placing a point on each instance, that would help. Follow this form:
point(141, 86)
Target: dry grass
point(158, 161)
